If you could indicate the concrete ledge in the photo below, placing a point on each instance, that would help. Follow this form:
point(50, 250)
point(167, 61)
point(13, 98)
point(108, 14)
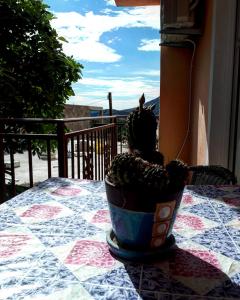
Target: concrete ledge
point(45, 157)
point(8, 164)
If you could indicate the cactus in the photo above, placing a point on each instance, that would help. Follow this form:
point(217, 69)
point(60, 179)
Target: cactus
point(142, 168)
point(125, 170)
point(141, 131)
point(128, 170)
point(178, 174)
point(155, 178)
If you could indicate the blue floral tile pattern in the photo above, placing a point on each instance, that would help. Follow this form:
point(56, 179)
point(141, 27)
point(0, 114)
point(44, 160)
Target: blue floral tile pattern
point(44, 287)
point(205, 210)
point(111, 293)
point(222, 245)
point(53, 245)
point(154, 279)
point(9, 217)
point(207, 192)
point(234, 233)
point(179, 238)
point(55, 240)
point(226, 214)
point(127, 276)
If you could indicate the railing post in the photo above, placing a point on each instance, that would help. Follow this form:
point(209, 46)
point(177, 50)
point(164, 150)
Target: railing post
point(62, 150)
point(115, 138)
point(2, 168)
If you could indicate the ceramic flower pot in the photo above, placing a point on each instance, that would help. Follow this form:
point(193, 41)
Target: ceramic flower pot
point(141, 220)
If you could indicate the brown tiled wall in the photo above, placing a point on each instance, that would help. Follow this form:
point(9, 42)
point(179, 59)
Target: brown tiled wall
point(78, 111)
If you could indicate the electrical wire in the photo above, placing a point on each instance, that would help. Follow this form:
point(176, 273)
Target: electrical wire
point(189, 98)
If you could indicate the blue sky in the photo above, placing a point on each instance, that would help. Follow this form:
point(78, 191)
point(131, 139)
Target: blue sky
point(118, 47)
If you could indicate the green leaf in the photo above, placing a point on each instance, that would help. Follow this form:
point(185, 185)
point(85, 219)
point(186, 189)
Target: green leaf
point(35, 74)
point(61, 38)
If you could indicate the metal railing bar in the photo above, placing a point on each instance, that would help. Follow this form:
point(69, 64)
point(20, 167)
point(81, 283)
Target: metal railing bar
point(78, 158)
point(83, 155)
point(121, 130)
point(102, 156)
point(62, 151)
point(2, 170)
point(12, 170)
point(99, 152)
point(88, 158)
point(91, 154)
point(67, 120)
point(88, 130)
point(30, 136)
point(72, 157)
point(104, 151)
point(111, 144)
point(54, 121)
point(30, 165)
point(28, 120)
point(95, 155)
point(49, 158)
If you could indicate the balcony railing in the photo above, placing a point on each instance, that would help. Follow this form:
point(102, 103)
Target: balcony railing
point(82, 154)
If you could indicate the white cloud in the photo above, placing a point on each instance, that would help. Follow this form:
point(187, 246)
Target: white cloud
point(148, 16)
point(149, 45)
point(94, 71)
point(110, 2)
point(83, 31)
point(147, 73)
point(126, 92)
point(119, 87)
point(91, 51)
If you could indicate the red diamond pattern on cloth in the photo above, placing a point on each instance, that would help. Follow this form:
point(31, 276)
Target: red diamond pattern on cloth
point(67, 191)
point(90, 253)
point(187, 199)
point(193, 222)
point(42, 211)
point(196, 264)
point(11, 244)
point(101, 216)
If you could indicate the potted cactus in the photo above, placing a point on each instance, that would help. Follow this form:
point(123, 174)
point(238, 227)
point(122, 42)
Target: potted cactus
point(143, 194)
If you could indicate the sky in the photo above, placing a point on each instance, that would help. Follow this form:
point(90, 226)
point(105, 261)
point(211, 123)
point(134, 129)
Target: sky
point(118, 47)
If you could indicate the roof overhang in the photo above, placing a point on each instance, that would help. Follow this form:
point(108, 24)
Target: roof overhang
point(137, 2)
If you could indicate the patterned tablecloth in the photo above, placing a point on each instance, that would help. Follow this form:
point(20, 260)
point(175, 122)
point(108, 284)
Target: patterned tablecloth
point(53, 246)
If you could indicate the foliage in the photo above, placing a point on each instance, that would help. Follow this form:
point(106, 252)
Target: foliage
point(122, 131)
point(35, 74)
